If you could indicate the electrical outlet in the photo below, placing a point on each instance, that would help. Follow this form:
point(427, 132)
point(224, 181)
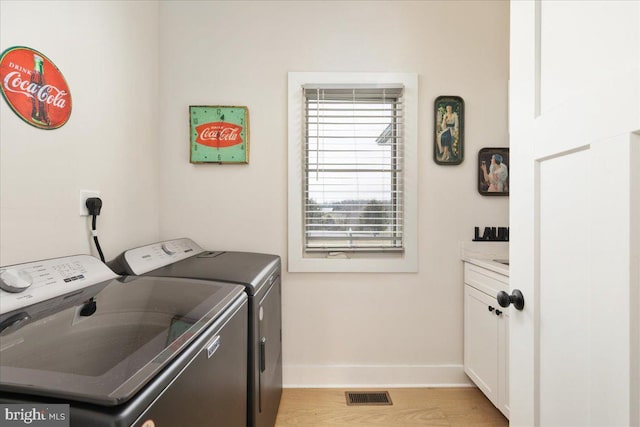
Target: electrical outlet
point(84, 195)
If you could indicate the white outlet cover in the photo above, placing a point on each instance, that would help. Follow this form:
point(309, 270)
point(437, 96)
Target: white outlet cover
point(84, 195)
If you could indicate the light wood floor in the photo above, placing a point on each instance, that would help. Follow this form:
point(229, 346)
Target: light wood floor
point(459, 407)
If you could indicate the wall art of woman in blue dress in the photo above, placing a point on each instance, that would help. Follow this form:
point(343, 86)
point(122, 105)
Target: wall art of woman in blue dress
point(448, 132)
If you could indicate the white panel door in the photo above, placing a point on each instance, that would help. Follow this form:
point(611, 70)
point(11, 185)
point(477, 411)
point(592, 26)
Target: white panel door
point(564, 290)
point(575, 347)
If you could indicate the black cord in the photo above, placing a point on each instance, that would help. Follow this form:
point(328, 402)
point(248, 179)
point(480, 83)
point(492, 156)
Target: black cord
point(95, 238)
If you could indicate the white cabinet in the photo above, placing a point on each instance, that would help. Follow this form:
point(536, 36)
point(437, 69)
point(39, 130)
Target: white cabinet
point(486, 333)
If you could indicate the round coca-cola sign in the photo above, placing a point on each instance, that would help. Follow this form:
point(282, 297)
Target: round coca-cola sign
point(34, 88)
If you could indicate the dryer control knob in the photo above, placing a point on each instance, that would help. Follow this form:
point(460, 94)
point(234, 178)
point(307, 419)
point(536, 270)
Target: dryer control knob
point(15, 280)
point(167, 249)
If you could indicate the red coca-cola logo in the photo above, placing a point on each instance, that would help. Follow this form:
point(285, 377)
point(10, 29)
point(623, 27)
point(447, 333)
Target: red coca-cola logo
point(219, 134)
point(34, 88)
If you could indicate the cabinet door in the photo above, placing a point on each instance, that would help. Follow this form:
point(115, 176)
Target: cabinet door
point(481, 341)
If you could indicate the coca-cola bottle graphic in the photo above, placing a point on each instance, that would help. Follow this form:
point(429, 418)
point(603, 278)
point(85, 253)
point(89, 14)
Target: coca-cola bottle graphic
point(39, 107)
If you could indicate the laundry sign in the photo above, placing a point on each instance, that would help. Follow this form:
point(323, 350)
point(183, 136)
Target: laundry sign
point(491, 234)
point(34, 88)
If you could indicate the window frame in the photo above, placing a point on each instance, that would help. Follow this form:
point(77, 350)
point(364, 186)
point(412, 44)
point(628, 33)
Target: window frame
point(298, 259)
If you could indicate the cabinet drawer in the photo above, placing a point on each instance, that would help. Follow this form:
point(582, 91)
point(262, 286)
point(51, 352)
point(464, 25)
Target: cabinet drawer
point(484, 280)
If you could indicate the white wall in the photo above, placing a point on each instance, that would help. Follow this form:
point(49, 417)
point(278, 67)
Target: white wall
point(108, 53)
point(385, 328)
point(338, 328)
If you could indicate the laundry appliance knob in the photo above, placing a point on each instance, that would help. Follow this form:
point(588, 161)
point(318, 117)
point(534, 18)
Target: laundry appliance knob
point(15, 281)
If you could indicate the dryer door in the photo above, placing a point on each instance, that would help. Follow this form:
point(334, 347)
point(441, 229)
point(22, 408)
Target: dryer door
point(270, 356)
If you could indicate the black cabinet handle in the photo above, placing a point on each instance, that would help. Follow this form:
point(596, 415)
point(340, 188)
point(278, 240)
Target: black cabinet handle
point(516, 298)
point(491, 308)
point(498, 312)
point(263, 355)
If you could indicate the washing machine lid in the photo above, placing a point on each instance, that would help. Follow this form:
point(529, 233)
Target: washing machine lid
point(244, 268)
point(101, 344)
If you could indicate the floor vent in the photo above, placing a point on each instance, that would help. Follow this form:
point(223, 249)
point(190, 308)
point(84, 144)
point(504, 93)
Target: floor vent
point(357, 398)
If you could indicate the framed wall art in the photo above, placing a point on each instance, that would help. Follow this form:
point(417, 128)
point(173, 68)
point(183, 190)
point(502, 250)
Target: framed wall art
point(448, 145)
point(219, 134)
point(493, 171)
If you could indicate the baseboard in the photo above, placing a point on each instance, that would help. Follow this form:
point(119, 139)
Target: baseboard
point(337, 376)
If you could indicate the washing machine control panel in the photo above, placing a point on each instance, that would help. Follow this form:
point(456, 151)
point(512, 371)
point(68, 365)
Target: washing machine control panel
point(25, 284)
point(148, 258)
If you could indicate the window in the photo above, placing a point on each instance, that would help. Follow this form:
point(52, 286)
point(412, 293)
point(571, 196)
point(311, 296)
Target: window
point(352, 160)
point(352, 172)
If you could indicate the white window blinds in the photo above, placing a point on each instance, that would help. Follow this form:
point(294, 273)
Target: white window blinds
point(353, 168)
